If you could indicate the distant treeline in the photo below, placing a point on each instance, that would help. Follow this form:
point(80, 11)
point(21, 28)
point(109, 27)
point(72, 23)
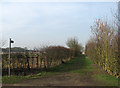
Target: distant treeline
point(14, 49)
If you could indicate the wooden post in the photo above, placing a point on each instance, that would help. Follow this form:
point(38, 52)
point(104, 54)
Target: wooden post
point(37, 61)
point(44, 62)
point(32, 62)
point(41, 62)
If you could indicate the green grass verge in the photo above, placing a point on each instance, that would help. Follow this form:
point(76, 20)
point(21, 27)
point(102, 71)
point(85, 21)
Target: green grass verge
point(12, 79)
point(16, 79)
point(106, 80)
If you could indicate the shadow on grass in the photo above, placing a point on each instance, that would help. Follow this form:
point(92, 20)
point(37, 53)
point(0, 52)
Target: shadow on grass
point(77, 63)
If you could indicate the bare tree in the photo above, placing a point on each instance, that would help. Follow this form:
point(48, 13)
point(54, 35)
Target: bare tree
point(103, 48)
point(73, 44)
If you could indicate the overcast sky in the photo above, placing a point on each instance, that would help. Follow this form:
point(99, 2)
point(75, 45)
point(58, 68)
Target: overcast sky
point(32, 24)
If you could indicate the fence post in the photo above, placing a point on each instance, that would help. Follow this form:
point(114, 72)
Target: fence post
point(44, 62)
point(41, 62)
point(37, 61)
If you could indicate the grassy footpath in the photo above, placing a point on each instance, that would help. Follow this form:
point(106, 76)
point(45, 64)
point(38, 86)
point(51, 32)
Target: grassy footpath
point(81, 65)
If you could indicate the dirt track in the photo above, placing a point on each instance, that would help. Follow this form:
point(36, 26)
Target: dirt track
point(61, 79)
